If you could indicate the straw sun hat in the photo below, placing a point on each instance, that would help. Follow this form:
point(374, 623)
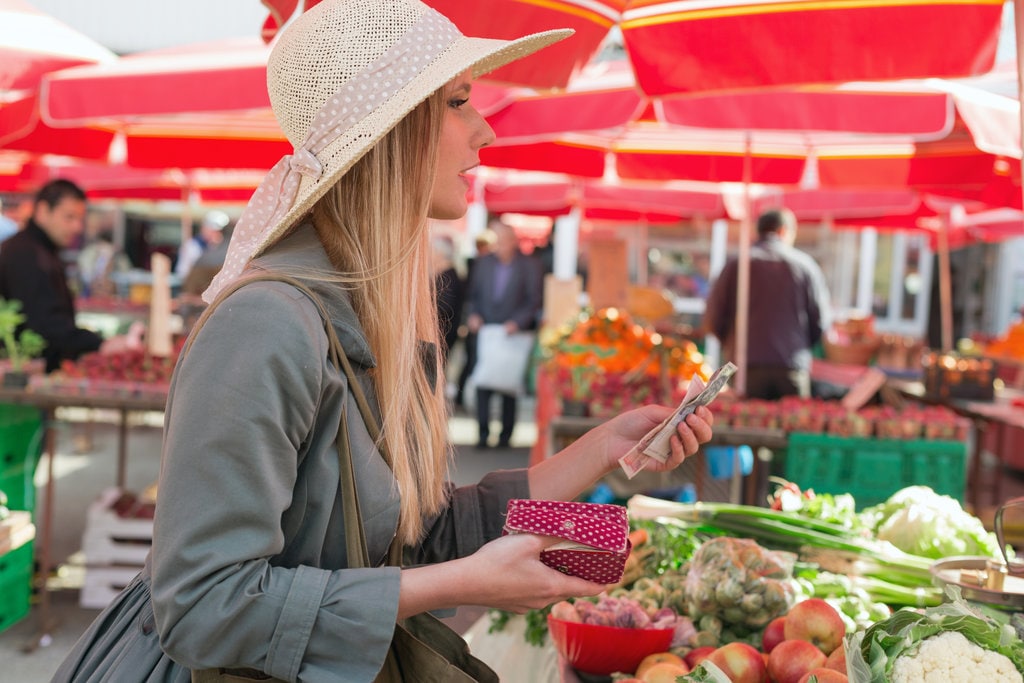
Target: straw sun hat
point(340, 77)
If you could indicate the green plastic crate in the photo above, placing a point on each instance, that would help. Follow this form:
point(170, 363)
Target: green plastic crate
point(21, 430)
point(15, 584)
point(874, 469)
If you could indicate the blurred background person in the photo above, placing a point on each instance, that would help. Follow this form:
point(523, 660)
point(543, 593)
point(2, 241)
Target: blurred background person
point(98, 260)
point(483, 245)
point(506, 288)
point(449, 292)
point(788, 313)
point(8, 226)
point(33, 272)
point(209, 235)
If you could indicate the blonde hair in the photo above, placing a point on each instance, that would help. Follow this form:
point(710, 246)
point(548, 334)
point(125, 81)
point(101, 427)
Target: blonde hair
point(373, 225)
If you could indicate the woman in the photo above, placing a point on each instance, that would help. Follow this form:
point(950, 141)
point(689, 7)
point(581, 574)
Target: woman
point(248, 569)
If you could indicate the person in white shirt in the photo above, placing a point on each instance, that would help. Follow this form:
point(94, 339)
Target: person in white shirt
point(211, 233)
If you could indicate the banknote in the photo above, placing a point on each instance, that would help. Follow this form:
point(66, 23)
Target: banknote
point(656, 443)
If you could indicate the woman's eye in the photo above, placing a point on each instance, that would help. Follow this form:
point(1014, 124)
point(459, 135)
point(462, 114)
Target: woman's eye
point(457, 102)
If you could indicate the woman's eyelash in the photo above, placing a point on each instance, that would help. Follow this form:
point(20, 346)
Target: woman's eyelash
point(457, 102)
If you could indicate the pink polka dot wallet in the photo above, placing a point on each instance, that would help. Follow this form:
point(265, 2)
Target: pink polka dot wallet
point(596, 535)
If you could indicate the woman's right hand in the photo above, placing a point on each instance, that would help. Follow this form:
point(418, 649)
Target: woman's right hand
point(504, 574)
point(514, 579)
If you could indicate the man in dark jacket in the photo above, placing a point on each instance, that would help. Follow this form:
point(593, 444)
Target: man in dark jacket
point(789, 310)
point(506, 288)
point(32, 272)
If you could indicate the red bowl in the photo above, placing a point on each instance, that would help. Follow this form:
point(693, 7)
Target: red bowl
point(603, 650)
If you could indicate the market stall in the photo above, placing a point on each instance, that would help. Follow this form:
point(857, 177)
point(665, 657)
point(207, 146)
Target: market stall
point(732, 583)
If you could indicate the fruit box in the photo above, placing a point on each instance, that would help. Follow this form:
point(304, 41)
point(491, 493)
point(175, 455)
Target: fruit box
point(21, 431)
point(874, 469)
point(15, 584)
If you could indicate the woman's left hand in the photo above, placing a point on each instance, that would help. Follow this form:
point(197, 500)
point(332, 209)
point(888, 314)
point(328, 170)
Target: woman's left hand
point(622, 432)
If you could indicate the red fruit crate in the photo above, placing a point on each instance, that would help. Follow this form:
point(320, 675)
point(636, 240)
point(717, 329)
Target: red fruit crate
point(874, 469)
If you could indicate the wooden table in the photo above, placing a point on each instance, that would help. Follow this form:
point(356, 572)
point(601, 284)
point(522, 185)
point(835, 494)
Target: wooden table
point(562, 430)
point(48, 400)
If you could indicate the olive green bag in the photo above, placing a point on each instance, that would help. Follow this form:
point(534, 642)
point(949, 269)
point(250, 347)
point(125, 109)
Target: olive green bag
point(424, 649)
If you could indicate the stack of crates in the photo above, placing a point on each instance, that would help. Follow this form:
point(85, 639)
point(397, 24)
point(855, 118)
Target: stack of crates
point(16, 541)
point(21, 430)
point(873, 469)
point(21, 437)
point(115, 545)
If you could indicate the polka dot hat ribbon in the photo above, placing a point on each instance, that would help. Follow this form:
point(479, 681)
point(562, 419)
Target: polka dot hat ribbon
point(358, 97)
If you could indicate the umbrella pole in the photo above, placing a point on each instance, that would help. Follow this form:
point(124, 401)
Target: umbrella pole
point(945, 286)
point(743, 276)
point(1018, 26)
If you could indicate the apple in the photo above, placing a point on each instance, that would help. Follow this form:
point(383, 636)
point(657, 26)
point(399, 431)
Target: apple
point(657, 658)
point(774, 633)
point(817, 622)
point(791, 659)
point(837, 659)
point(824, 676)
point(697, 655)
point(664, 672)
point(742, 663)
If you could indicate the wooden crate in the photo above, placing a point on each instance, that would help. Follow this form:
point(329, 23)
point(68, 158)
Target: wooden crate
point(115, 549)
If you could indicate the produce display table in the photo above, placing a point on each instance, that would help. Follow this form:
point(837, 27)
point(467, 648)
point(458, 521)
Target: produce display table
point(986, 416)
point(48, 400)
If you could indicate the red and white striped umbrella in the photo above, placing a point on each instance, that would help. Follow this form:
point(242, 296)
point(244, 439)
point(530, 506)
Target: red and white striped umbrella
point(680, 46)
point(33, 43)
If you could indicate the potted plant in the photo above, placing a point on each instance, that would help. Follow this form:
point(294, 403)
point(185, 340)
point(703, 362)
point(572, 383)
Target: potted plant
point(19, 347)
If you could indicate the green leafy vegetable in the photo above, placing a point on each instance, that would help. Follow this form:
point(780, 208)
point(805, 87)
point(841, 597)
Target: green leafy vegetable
point(705, 672)
point(871, 654)
point(921, 522)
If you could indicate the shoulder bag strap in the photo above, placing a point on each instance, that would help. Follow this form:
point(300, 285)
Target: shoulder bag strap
point(355, 535)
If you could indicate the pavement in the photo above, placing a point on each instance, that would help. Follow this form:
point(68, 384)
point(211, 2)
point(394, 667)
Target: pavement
point(85, 467)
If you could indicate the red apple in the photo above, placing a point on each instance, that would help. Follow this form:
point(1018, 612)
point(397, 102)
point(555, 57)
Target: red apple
point(817, 622)
point(837, 659)
point(664, 672)
point(697, 655)
point(740, 662)
point(774, 633)
point(657, 658)
point(791, 659)
point(824, 676)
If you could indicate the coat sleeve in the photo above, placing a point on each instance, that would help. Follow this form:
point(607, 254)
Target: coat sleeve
point(243, 404)
point(475, 516)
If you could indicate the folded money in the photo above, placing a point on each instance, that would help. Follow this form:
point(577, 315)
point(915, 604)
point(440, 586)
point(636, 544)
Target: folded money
point(656, 443)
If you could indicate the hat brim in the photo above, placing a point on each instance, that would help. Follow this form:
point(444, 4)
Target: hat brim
point(481, 55)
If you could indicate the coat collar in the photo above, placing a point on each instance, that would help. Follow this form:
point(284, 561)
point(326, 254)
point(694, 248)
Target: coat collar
point(300, 254)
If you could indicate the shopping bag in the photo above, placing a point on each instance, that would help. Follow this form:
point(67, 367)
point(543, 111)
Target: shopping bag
point(596, 535)
point(502, 359)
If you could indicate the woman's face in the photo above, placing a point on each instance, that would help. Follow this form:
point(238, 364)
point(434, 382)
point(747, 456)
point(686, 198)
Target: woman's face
point(463, 132)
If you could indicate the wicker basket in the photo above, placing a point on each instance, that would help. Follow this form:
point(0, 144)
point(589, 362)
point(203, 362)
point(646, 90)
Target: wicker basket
point(854, 353)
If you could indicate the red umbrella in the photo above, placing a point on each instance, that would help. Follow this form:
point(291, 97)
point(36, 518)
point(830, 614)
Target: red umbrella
point(679, 46)
point(597, 201)
point(22, 173)
point(33, 43)
point(196, 106)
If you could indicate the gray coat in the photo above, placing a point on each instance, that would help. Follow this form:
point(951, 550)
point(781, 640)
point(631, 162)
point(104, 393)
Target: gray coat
point(248, 567)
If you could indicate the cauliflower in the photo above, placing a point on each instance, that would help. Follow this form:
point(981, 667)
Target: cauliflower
point(949, 657)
